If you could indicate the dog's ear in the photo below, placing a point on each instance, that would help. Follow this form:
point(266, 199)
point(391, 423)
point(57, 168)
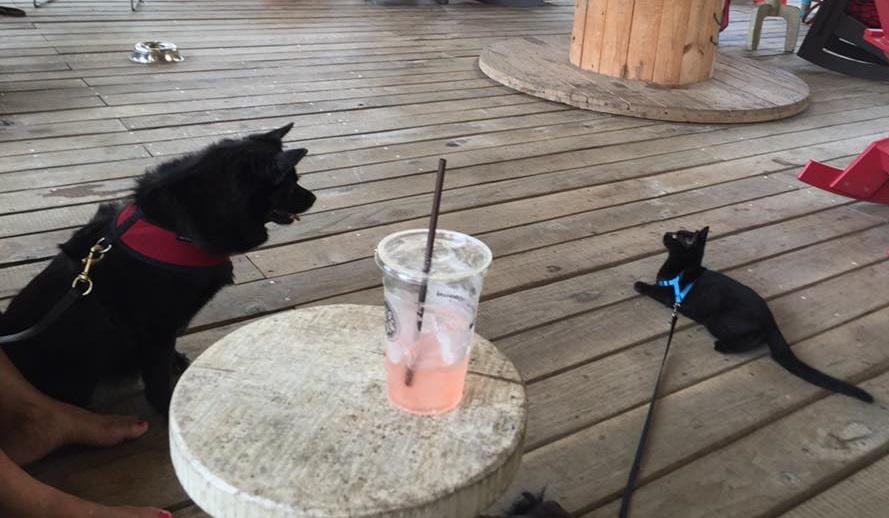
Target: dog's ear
point(276, 134)
point(287, 160)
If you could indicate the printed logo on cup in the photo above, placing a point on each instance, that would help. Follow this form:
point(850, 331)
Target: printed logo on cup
point(391, 322)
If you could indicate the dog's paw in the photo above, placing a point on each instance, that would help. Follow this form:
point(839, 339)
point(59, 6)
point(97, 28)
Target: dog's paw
point(639, 286)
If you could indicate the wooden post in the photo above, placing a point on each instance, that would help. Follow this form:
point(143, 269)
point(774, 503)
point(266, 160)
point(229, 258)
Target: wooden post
point(668, 42)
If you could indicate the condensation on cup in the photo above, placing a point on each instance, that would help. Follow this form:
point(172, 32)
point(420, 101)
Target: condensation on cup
point(426, 364)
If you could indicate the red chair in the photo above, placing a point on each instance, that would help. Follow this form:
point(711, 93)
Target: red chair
point(879, 37)
point(867, 178)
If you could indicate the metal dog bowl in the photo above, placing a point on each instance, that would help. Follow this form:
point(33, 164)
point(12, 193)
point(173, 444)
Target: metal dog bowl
point(147, 52)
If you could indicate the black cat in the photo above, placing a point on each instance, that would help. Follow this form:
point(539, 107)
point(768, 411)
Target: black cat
point(733, 313)
point(169, 255)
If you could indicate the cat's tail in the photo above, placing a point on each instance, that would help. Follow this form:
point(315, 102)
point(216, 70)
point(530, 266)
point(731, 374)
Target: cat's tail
point(784, 356)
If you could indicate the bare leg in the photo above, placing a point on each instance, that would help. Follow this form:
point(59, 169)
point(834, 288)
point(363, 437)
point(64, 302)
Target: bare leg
point(32, 424)
point(24, 497)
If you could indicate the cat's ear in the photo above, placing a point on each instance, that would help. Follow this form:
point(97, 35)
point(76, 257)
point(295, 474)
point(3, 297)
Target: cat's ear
point(276, 134)
point(702, 234)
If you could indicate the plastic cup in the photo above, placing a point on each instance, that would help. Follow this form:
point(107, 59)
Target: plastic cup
point(426, 364)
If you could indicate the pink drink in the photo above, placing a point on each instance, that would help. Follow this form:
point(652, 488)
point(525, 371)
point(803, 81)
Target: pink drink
point(435, 389)
point(437, 358)
point(426, 361)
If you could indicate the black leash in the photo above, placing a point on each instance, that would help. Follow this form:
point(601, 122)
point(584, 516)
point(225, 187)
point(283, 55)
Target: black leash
point(643, 438)
point(81, 287)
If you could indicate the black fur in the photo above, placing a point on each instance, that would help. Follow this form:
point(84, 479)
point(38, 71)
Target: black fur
point(220, 198)
point(537, 506)
point(733, 313)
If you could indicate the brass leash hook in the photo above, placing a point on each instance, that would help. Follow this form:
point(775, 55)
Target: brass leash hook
point(97, 253)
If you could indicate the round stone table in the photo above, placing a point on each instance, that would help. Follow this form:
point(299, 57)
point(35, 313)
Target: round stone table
point(288, 416)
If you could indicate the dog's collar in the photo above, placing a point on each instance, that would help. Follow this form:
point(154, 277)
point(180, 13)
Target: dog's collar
point(157, 245)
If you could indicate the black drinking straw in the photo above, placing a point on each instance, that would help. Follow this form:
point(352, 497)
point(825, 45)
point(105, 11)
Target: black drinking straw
point(427, 262)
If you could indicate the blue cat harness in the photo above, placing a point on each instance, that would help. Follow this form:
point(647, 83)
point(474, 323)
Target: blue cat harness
point(679, 293)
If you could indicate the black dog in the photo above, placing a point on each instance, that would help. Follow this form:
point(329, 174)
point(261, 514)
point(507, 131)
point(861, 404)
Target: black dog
point(169, 255)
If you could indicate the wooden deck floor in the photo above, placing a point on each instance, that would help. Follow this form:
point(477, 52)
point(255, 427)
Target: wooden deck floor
point(571, 202)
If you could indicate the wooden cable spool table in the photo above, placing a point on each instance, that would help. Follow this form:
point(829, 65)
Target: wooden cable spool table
point(288, 416)
point(655, 59)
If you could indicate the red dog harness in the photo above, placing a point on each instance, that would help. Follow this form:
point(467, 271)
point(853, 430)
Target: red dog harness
point(151, 243)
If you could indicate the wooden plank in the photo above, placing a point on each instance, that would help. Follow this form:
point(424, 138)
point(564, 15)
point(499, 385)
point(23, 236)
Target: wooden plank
point(180, 108)
point(861, 494)
point(198, 68)
point(166, 141)
point(174, 119)
point(61, 158)
point(284, 87)
point(670, 43)
point(616, 38)
point(698, 28)
point(25, 133)
point(642, 49)
point(237, 77)
point(22, 106)
point(7, 85)
point(824, 442)
point(518, 122)
point(593, 34)
point(575, 53)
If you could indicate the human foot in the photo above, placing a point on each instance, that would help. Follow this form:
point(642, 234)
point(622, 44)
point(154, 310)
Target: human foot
point(24, 497)
point(32, 425)
point(36, 428)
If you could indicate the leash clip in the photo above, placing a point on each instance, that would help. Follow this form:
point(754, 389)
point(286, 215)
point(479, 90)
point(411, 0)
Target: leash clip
point(96, 254)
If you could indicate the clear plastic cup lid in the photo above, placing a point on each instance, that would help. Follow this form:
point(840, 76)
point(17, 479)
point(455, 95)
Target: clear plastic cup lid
point(455, 255)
